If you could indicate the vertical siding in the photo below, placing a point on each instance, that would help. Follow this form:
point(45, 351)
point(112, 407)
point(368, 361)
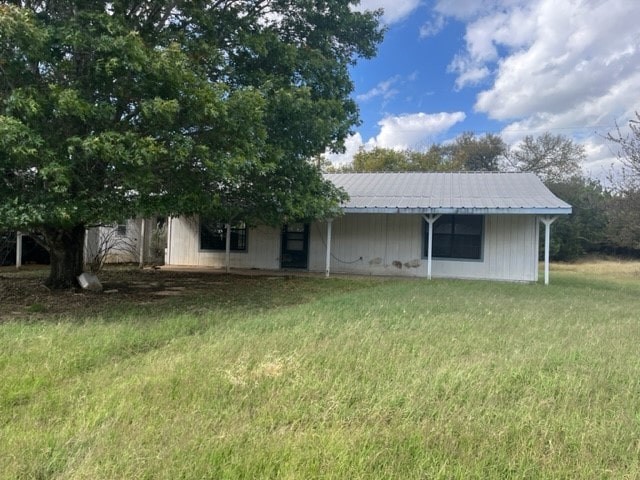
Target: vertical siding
point(379, 244)
point(263, 247)
point(509, 252)
point(376, 244)
point(373, 244)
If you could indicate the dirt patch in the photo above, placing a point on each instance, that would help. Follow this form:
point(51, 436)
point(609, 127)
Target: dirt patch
point(23, 295)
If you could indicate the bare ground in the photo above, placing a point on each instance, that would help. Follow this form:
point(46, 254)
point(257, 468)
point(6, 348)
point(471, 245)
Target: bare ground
point(23, 295)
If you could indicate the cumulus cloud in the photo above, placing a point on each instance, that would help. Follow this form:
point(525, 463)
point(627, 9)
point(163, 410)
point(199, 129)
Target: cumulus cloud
point(566, 66)
point(413, 130)
point(394, 10)
point(400, 132)
point(352, 144)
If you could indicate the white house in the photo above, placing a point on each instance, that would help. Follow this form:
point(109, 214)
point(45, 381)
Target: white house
point(130, 241)
point(457, 225)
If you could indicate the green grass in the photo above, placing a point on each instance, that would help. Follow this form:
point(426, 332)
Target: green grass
point(340, 378)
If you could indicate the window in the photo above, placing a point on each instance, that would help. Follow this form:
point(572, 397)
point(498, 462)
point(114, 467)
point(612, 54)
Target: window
point(213, 236)
point(121, 229)
point(456, 236)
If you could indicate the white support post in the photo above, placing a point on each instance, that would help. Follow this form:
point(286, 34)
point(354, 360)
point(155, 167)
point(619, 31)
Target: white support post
point(167, 250)
point(430, 219)
point(547, 220)
point(327, 264)
point(227, 248)
point(18, 250)
point(142, 242)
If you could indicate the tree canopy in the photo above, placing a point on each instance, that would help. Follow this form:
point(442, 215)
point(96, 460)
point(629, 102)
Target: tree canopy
point(388, 160)
point(629, 152)
point(477, 153)
point(553, 158)
point(116, 109)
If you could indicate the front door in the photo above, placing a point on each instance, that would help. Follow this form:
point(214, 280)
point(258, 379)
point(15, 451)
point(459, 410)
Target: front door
point(295, 246)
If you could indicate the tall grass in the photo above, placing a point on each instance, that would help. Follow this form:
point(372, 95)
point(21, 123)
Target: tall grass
point(333, 378)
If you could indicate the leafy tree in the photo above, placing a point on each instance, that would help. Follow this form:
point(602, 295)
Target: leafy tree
point(553, 158)
point(476, 153)
point(623, 212)
point(388, 160)
point(110, 110)
point(585, 230)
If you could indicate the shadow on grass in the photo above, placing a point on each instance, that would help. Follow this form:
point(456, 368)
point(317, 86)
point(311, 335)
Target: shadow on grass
point(147, 295)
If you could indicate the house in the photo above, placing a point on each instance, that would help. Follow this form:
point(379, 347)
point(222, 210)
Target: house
point(475, 225)
point(131, 241)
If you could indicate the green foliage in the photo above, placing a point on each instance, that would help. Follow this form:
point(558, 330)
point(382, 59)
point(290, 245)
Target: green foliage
point(623, 213)
point(477, 153)
point(624, 207)
point(467, 152)
point(389, 160)
point(585, 230)
point(110, 110)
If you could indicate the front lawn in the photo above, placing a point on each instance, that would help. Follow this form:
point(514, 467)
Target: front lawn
point(214, 376)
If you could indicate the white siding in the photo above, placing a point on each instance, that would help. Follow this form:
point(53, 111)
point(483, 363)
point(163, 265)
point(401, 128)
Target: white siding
point(263, 247)
point(387, 244)
point(107, 243)
point(376, 244)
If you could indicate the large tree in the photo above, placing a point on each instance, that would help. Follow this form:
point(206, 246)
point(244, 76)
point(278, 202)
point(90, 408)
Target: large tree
point(475, 153)
point(554, 158)
point(585, 230)
point(624, 208)
point(115, 109)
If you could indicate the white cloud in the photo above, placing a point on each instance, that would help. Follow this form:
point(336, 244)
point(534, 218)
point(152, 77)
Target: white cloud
point(394, 10)
point(566, 66)
point(432, 27)
point(414, 130)
point(384, 89)
point(352, 145)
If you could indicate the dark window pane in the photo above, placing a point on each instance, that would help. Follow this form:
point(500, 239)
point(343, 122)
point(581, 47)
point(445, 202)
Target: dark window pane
point(468, 225)
point(444, 224)
point(441, 245)
point(213, 236)
point(456, 236)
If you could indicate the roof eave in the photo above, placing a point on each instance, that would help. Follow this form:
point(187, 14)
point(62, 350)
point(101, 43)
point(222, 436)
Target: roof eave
point(462, 211)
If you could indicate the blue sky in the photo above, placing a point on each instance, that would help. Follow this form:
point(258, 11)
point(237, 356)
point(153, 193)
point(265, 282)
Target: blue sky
point(512, 67)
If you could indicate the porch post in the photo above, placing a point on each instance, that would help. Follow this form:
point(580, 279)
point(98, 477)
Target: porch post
point(430, 219)
point(547, 220)
point(327, 263)
point(227, 248)
point(142, 240)
point(18, 250)
point(167, 250)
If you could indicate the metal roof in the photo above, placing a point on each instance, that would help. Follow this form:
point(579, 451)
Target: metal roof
point(448, 193)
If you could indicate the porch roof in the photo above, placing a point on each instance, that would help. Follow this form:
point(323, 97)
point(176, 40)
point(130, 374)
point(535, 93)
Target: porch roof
point(448, 193)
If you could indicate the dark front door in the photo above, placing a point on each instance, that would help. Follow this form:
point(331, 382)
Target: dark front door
point(295, 246)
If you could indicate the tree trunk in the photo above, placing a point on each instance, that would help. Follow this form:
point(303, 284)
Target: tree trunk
point(66, 250)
